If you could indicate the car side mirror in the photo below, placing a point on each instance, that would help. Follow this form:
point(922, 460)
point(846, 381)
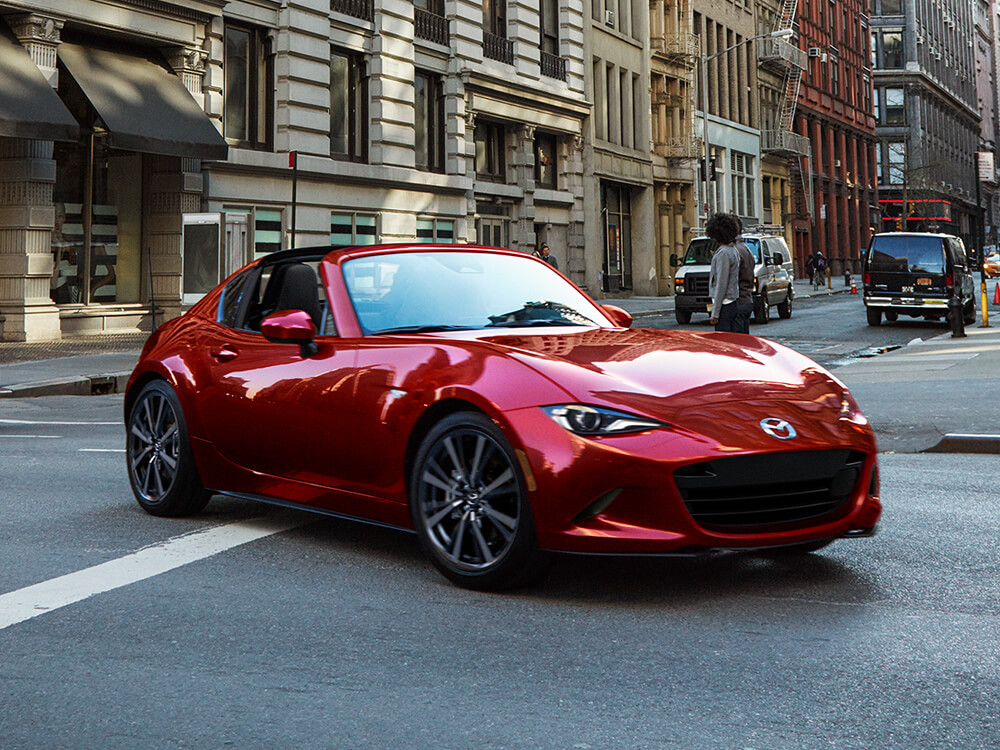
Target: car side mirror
point(619, 317)
point(675, 260)
point(778, 259)
point(291, 327)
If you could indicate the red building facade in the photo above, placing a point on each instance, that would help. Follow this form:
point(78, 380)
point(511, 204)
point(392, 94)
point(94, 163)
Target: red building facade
point(835, 111)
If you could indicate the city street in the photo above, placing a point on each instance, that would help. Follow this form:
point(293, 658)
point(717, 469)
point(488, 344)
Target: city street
point(335, 634)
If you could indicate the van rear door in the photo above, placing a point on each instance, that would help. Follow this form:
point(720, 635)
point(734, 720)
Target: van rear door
point(908, 266)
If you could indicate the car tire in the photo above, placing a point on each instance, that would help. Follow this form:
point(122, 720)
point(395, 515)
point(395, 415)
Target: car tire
point(785, 308)
point(469, 505)
point(803, 548)
point(683, 316)
point(969, 313)
point(161, 467)
point(874, 316)
point(891, 316)
point(761, 310)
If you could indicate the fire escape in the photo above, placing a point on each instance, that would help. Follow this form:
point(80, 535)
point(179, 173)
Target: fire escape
point(675, 52)
point(788, 59)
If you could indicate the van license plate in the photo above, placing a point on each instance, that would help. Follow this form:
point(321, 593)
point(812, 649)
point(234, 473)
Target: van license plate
point(925, 282)
point(907, 289)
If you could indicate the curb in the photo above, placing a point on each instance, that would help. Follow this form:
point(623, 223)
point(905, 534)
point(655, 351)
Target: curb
point(961, 443)
point(86, 385)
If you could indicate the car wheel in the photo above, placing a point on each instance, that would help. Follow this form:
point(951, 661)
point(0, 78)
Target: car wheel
point(470, 508)
point(683, 316)
point(785, 308)
point(891, 315)
point(969, 313)
point(161, 466)
point(761, 310)
point(803, 548)
point(874, 316)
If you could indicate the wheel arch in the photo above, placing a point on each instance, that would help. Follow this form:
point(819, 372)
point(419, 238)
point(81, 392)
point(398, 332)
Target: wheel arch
point(425, 423)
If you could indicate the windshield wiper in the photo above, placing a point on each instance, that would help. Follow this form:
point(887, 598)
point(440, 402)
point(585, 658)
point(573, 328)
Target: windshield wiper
point(423, 329)
point(535, 322)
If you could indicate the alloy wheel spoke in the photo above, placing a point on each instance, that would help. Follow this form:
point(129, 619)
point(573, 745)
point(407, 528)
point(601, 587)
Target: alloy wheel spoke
point(484, 548)
point(477, 458)
point(440, 515)
point(501, 480)
point(449, 446)
point(137, 431)
point(434, 481)
point(456, 547)
point(170, 461)
point(155, 468)
point(504, 523)
point(171, 431)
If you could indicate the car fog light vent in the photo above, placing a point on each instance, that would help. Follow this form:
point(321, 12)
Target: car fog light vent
point(596, 507)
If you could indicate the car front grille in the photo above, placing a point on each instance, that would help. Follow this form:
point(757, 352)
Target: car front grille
point(697, 283)
point(744, 493)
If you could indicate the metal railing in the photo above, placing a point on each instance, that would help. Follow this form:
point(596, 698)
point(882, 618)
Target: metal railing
point(497, 48)
point(686, 46)
point(553, 66)
point(784, 142)
point(430, 25)
point(358, 8)
point(684, 147)
point(779, 50)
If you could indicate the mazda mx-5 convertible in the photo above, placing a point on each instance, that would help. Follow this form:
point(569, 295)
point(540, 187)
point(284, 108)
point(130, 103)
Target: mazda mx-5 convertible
point(478, 397)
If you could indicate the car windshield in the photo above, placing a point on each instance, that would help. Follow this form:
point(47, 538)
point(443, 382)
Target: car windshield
point(699, 252)
point(902, 254)
point(753, 245)
point(441, 291)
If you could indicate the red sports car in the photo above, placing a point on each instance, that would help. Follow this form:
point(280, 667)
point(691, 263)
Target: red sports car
point(477, 396)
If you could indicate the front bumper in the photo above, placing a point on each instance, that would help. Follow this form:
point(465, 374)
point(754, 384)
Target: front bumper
point(619, 495)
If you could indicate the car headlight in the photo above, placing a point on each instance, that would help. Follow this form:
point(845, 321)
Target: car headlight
point(848, 406)
point(596, 420)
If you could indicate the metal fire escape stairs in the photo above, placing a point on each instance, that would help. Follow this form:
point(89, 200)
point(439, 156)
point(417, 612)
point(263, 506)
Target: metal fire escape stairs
point(788, 141)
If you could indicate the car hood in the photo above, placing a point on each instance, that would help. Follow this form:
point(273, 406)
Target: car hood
point(681, 377)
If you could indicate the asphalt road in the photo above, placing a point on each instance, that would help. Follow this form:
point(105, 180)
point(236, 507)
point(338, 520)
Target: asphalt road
point(338, 635)
point(830, 329)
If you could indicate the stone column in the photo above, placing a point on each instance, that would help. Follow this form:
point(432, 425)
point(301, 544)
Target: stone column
point(523, 162)
point(572, 161)
point(173, 187)
point(27, 176)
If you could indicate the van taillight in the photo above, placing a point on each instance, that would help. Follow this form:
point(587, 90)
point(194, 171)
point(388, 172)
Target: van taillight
point(868, 279)
point(949, 280)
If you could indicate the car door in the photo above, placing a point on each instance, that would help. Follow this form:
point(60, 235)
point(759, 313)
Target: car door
point(274, 411)
point(779, 273)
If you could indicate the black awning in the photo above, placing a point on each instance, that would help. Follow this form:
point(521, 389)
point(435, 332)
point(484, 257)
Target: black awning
point(29, 106)
point(144, 107)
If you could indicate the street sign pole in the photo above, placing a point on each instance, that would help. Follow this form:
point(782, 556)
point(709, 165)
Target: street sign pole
point(981, 233)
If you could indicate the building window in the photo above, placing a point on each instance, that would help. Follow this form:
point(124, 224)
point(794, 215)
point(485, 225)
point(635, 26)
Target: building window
point(546, 174)
point(878, 164)
point(890, 7)
point(742, 183)
point(496, 45)
point(892, 49)
point(353, 229)
point(548, 16)
point(894, 109)
point(348, 106)
point(835, 76)
point(616, 205)
point(489, 151)
point(266, 233)
point(428, 96)
point(248, 97)
point(435, 230)
point(897, 162)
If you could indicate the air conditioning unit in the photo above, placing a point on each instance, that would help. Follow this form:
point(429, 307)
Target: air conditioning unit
point(937, 55)
point(609, 18)
point(815, 52)
point(824, 57)
point(836, 163)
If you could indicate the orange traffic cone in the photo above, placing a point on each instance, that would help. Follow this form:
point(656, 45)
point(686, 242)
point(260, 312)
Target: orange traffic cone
point(854, 286)
point(996, 294)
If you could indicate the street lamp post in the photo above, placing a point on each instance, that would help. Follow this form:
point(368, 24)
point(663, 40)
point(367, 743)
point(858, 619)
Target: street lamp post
point(705, 59)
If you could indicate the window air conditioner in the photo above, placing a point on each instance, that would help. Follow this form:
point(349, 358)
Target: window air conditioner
point(836, 163)
point(609, 18)
point(815, 52)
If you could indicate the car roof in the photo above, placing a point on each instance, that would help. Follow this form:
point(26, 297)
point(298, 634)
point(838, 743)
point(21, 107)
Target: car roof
point(916, 234)
point(339, 252)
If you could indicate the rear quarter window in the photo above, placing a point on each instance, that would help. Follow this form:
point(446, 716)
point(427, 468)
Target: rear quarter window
point(907, 255)
point(229, 302)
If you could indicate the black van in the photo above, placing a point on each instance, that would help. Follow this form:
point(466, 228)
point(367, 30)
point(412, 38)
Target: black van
point(915, 274)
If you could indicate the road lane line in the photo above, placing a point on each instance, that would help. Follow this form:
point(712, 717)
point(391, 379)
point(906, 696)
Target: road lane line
point(35, 421)
point(36, 437)
point(101, 450)
point(31, 601)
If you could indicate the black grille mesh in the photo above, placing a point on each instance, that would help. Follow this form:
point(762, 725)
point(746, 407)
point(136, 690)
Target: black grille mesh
point(747, 492)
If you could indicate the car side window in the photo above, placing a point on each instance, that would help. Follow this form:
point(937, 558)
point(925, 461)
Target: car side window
point(957, 251)
point(269, 293)
point(232, 296)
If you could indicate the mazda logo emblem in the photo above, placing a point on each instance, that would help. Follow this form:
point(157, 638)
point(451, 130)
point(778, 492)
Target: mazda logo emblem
point(778, 428)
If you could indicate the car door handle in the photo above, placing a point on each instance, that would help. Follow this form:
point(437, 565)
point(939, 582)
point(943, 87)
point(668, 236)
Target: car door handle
point(224, 354)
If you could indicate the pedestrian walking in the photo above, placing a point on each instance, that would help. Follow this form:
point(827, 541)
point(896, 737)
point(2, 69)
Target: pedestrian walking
point(816, 268)
point(724, 274)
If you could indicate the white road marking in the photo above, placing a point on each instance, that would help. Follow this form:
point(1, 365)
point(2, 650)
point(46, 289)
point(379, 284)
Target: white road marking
point(33, 421)
point(37, 437)
point(100, 450)
point(31, 601)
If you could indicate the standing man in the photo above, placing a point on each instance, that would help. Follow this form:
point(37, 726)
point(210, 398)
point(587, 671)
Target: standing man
point(745, 301)
point(724, 277)
point(544, 254)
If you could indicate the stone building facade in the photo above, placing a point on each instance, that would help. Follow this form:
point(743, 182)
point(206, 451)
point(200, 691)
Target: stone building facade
point(314, 123)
